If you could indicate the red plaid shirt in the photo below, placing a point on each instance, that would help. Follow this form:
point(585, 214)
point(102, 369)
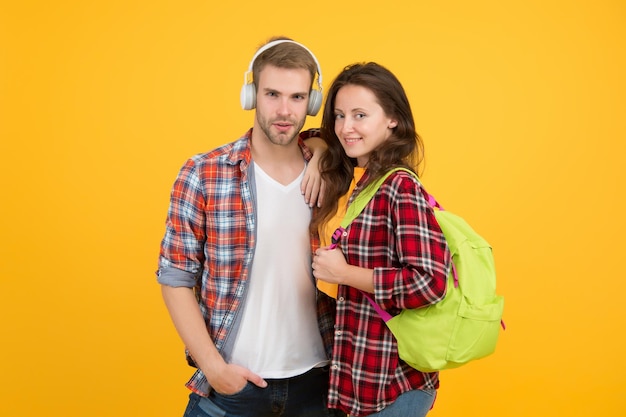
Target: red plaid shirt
point(397, 235)
point(210, 239)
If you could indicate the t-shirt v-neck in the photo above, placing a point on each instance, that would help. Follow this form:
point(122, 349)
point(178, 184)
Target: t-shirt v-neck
point(286, 187)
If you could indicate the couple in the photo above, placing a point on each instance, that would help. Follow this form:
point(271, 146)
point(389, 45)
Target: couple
point(236, 265)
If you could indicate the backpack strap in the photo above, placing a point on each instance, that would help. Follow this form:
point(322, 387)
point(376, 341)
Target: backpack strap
point(364, 196)
point(433, 203)
point(382, 313)
point(357, 205)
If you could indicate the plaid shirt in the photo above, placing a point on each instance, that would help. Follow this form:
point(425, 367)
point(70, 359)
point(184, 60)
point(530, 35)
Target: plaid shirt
point(398, 236)
point(210, 239)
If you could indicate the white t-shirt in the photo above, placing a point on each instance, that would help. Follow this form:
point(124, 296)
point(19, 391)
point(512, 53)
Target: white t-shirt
point(279, 335)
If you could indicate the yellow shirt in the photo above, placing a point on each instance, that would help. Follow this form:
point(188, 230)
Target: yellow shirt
point(327, 229)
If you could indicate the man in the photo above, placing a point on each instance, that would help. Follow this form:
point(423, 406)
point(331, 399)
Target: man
point(235, 261)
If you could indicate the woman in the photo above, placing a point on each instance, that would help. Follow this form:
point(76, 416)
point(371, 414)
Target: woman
point(394, 250)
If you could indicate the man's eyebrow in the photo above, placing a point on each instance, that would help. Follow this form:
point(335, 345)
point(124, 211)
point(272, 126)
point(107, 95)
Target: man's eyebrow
point(273, 90)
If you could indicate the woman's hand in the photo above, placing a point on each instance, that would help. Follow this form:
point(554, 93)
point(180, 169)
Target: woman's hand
point(330, 265)
point(312, 186)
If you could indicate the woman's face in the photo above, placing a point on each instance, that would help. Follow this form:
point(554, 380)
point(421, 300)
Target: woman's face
point(360, 122)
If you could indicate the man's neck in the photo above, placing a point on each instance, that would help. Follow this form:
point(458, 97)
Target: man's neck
point(283, 163)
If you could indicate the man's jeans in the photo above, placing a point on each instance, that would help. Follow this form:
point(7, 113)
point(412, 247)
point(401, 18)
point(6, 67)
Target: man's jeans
point(416, 403)
point(300, 396)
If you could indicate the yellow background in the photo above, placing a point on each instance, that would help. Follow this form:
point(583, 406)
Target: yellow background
point(522, 109)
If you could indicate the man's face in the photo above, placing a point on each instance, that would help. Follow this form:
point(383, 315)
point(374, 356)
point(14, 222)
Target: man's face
point(281, 102)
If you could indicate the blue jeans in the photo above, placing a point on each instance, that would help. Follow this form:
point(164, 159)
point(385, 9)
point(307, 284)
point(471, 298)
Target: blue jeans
point(301, 396)
point(416, 403)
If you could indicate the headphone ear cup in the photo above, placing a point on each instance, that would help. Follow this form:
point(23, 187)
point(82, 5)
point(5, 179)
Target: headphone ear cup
point(248, 96)
point(315, 102)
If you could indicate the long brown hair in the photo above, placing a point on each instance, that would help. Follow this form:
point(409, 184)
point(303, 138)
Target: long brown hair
point(403, 148)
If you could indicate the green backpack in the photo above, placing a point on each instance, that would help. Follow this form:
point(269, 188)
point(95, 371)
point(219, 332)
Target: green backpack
point(465, 324)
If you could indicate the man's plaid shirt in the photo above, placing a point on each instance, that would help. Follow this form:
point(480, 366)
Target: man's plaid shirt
point(210, 239)
point(398, 236)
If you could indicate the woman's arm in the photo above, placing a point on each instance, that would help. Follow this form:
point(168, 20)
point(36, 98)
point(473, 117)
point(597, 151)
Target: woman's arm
point(312, 186)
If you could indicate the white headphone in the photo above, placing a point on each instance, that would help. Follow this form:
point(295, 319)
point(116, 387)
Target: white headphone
point(248, 91)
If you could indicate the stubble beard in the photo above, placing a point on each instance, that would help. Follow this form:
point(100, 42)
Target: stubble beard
point(281, 139)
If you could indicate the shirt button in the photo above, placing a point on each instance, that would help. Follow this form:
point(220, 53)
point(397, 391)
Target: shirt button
point(341, 299)
point(345, 233)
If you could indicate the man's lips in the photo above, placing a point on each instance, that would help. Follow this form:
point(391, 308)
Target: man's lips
point(283, 126)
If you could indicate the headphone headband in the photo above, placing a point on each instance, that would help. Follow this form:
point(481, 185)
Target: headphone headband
point(270, 45)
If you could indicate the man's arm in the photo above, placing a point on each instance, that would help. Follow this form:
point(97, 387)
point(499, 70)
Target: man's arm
point(183, 241)
point(189, 323)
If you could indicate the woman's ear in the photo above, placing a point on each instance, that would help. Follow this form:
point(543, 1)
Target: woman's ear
point(392, 124)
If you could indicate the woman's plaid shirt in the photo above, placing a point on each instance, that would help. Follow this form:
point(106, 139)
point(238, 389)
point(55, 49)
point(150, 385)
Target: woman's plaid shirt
point(210, 238)
point(397, 235)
